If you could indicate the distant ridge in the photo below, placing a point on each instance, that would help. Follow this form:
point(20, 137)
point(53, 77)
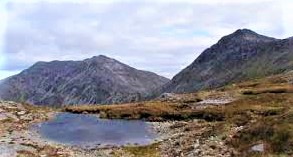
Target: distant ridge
point(97, 80)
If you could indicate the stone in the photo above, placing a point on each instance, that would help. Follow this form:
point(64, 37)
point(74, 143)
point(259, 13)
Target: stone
point(20, 113)
point(196, 145)
point(26, 118)
point(258, 148)
point(10, 115)
point(3, 116)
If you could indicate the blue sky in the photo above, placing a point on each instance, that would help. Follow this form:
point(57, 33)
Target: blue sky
point(160, 36)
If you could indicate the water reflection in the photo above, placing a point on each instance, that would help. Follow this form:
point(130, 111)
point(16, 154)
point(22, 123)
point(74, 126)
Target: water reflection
point(88, 130)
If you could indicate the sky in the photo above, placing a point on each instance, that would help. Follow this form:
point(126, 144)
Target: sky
point(162, 36)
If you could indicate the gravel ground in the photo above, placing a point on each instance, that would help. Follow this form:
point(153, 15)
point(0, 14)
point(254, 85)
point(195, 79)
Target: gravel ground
point(7, 151)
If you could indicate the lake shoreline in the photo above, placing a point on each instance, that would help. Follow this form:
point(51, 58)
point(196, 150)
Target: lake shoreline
point(27, 141)
point(65, 129)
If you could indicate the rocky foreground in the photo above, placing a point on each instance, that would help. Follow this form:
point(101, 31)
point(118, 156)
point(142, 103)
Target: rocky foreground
point(17, 138)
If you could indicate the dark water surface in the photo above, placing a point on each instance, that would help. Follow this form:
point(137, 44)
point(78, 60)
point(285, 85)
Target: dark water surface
point(88, 130)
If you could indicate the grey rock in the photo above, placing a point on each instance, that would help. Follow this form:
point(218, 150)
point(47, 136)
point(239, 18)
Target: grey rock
point(98, 80)
point(258, 148)
point(3, 116)
point(20, 113)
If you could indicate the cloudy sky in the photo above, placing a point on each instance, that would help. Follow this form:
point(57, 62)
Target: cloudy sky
point(160, 36)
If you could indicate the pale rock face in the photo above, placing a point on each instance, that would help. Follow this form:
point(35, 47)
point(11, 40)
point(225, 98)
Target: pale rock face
point(239, 56)
point(98, 80)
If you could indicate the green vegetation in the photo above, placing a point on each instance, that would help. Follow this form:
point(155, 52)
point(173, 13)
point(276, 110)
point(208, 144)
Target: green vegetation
point(146, 151)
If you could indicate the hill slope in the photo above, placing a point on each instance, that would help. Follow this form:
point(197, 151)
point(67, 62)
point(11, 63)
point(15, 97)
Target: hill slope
point(96, 80)
point(241, 55)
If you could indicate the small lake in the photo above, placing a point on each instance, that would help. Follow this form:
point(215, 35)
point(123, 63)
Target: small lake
point(88, 130)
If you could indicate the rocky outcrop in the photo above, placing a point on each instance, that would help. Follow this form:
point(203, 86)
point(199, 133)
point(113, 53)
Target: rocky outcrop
point(98, 80)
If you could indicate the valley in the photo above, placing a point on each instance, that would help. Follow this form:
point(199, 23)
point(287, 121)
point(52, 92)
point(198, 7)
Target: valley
point(235, 99)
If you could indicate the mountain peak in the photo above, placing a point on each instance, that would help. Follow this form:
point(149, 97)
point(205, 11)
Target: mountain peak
point(245, 35)
point(101, 57)
point(245, 31)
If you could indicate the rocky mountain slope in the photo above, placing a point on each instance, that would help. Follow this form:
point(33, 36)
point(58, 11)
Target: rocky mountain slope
point(239, 56)
point(91, 81)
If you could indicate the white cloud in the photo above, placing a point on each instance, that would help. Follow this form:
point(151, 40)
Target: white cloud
point(3, 17)
point(160, 36)
point(288, 17)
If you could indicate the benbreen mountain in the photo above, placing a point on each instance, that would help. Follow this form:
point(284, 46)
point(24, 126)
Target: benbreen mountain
point(239, 56)
point(91, 81)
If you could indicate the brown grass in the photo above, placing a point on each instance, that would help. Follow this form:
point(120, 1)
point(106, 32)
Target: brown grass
point(284, 89)
point(150, 111)
point(266, 117)
point(24, 153)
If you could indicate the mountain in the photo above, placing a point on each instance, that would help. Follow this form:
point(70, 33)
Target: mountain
point(239, 56)
point(98, 80)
